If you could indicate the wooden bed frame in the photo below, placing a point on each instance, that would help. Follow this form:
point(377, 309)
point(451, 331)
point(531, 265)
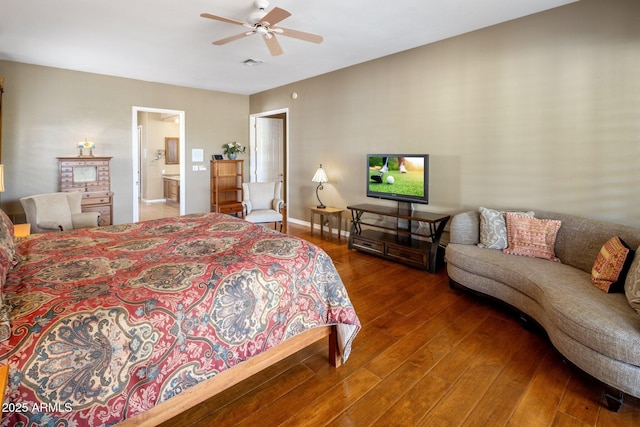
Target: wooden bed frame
point(203, 391)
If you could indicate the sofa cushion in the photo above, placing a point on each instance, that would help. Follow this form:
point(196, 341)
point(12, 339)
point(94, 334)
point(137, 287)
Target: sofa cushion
point(611, 265)
point(632, 283)
point(531, 237)
point(465, 228)
point(580, 239)
point(569, 301)
point(493, 228)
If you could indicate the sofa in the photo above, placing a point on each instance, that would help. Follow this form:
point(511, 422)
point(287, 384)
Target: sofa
point(596, 331)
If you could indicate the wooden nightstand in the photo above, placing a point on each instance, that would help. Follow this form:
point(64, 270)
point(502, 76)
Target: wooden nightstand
point(329, 212)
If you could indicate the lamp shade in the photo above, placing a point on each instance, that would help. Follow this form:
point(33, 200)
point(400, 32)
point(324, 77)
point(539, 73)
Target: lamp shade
point(320, 176)
point(86, 144)
point(1, 177)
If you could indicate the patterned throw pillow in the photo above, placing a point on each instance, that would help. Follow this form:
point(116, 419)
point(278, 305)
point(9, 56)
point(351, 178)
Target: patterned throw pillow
point(531, 237)
point(632, 284)
point(493, 228)
point(611, 265)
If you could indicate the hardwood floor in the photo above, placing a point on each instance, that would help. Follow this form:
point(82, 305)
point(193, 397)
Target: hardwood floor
point(426, 356)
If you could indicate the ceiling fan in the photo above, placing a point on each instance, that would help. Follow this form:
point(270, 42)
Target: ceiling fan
point(265, 25)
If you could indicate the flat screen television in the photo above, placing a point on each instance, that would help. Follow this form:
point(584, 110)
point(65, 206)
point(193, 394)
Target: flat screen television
point(401, 177)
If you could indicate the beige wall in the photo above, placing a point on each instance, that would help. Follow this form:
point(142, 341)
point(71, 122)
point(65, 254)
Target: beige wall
point(541, 112)
point(47, 110)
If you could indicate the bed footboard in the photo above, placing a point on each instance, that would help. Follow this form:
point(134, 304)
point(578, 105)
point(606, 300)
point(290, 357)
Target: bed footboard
point(203, 391)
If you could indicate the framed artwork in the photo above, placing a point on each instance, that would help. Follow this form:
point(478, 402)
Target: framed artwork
point(172, 151)
point(217, 157)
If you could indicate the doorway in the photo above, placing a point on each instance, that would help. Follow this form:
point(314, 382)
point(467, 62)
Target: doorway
point(268, 149)
point(143, 155)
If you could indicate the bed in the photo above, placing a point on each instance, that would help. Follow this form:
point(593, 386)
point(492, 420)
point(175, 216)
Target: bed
point(135, 323)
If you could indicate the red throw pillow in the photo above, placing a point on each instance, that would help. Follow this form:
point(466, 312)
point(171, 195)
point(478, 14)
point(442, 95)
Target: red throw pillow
point(532, 237)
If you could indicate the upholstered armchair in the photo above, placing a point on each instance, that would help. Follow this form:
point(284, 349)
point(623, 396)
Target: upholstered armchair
point(262, 202)
point(57, 212)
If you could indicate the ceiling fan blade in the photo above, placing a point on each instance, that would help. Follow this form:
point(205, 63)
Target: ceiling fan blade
point(232, 38)
point(313, 38)
point(272, 44)
point(276, 15)
point(223, 19)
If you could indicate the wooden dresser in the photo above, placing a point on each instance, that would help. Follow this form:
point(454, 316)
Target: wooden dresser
point(92, 176)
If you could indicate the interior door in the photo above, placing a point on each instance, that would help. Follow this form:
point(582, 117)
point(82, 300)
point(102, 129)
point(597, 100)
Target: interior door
point(269, 149)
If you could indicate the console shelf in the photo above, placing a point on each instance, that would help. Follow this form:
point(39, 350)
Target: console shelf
point(418, 248)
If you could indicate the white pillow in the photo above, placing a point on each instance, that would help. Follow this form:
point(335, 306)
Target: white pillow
point(493, 228)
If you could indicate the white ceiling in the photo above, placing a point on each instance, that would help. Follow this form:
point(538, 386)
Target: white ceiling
point(167, 41)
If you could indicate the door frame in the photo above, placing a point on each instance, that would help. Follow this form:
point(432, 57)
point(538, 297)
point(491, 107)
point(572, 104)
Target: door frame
point(135, 151)
point(252, 148)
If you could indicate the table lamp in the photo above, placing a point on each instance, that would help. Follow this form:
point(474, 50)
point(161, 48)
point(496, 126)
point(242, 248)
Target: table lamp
point(320, 177)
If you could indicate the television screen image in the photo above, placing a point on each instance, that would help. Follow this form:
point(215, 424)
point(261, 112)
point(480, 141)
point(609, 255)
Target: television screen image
point(398, 177)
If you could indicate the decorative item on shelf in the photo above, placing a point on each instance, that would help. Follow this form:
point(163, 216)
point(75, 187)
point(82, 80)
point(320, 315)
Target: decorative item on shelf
point(82, 145)
point(232, 149)
point(320, 177)
point(1, 178)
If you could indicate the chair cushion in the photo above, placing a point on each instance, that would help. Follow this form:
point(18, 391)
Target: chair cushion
point(263, 215)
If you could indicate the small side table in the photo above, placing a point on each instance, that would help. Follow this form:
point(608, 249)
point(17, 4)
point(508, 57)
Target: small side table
point(330, 212)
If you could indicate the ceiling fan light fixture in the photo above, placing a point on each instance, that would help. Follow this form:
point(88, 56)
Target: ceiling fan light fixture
point(265, 25)
point(255, 17)
point(261, 4)
point(252, 62)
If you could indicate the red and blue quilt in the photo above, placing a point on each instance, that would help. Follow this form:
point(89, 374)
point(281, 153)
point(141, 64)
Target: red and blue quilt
point(111, 321)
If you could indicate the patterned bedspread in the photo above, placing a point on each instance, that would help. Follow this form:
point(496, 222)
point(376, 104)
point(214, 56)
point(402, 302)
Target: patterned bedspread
point(111, 321)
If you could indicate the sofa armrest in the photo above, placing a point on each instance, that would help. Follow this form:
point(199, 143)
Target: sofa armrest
point(465, 228)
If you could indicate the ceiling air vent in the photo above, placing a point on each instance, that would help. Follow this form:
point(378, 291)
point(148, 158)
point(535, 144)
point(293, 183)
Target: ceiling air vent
point(252, 62)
